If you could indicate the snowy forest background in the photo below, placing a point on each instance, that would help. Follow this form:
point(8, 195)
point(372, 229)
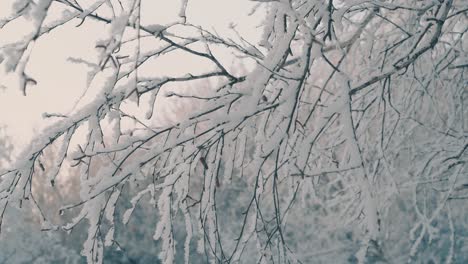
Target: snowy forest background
point(279, 131)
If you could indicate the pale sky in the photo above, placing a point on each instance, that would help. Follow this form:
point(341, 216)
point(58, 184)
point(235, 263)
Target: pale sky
point(61, 82)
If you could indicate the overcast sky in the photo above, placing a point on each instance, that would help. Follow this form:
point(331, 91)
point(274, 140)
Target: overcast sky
point(61, 82)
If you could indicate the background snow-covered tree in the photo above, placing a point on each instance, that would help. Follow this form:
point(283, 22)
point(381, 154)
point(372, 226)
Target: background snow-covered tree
point(5, 148)
point(343, 137)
